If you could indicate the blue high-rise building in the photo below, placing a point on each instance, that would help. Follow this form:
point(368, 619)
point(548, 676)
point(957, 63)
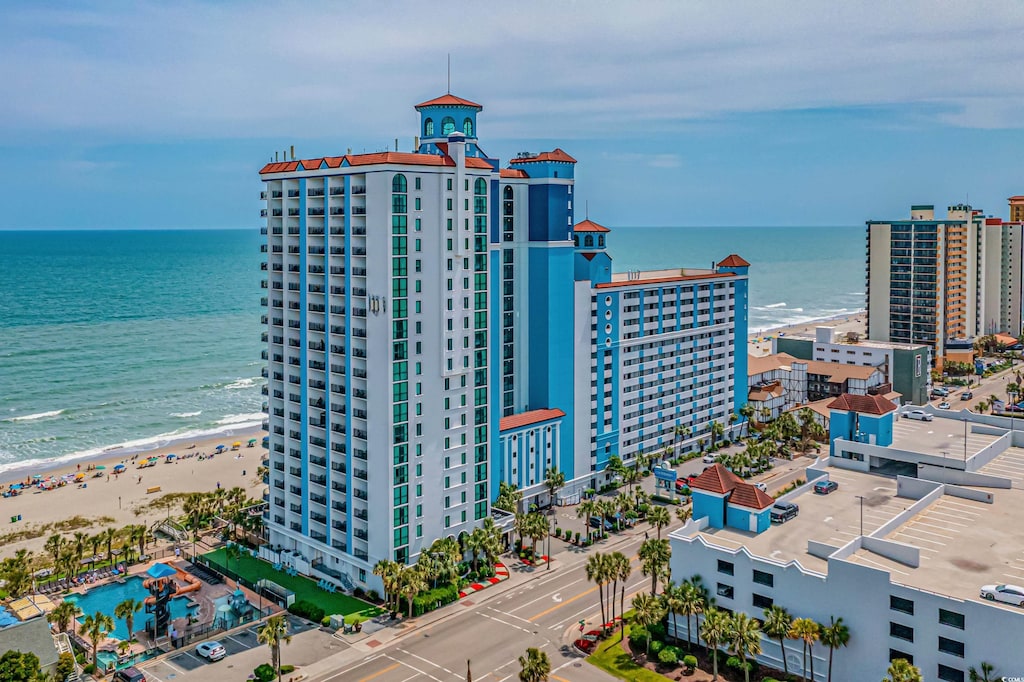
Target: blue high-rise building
point(438, 324)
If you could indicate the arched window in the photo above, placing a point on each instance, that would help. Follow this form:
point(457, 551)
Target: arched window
point(467, 127)
point(576, 239)
point(507, 193)
point(588, 240)
point(480, 187)
point(399, 184)
point(600, 240)
point(447, 125)
point(428, 128)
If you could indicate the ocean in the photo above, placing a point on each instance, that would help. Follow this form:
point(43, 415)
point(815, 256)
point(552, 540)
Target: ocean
point(140, 338)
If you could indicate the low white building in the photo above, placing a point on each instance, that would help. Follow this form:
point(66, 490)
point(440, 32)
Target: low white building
point(901, 560)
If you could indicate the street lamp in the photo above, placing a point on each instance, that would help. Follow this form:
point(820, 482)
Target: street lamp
point(861, 498)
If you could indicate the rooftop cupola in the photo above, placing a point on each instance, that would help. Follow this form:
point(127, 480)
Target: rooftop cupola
point(447, 114)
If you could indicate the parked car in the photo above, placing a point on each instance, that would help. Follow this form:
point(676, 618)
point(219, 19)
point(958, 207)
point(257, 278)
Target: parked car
point(825, 487)
point(129, 675)
point(212, 650)
point(682, 486)
point(708, 458)
point(1011, 594)
point(940, 392)
point(761, 486)
point(966, 395)
point(784, 511)
point(944, 405)
point(595, 522)
point(919, 415)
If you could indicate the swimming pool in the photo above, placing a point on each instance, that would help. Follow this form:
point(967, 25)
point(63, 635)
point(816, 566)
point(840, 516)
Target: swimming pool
point(106, 597)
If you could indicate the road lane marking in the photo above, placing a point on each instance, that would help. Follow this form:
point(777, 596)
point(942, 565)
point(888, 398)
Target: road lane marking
point(511, 625)
point(630, 592)
point(508, 615)
point(592, 590)
point(546, 594)
point(381, 672)
point(440, 667)
point(369, 659)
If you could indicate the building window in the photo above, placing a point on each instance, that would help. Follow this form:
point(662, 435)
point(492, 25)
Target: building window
point(901, 631)
point(725, 567)
point(447, 125)
point(428, 128)
point(896, 653)
point(950, 674)
point(399, 184)
point(951, 647)
point(467, 127)
point(900, 604)
point(762, 602)
point(951, 618)
point(762, 578)
point(724, 590)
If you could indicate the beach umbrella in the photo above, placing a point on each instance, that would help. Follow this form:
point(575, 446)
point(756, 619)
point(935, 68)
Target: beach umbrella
point(236, 444)
point(251, 441)
point(37, 477)
point(160, 570)
point(79, 476)
point(221, 447)
point(100, 467)
point(119, 467)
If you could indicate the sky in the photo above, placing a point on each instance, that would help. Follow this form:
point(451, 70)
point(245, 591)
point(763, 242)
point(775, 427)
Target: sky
point(689, 113)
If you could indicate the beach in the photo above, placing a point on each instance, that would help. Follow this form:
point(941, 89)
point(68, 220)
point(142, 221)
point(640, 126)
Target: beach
point(759, 343)
point(111, 500)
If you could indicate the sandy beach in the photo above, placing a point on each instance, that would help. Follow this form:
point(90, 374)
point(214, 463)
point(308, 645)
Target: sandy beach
point(122, 497)
point(760, 343)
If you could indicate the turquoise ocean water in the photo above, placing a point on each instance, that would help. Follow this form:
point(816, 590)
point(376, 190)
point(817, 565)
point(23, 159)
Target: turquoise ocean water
point(139, 338)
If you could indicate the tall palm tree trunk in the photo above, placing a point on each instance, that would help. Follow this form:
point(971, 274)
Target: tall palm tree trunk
point(810, 651)
point(803, 667)
point(830, 652)
point(622, 606)
point(689, 643)
point(782, 645)
point(600, 586)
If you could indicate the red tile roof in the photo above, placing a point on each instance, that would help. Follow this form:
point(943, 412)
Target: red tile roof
point(556, 155)
point(660, 280)
point(400, 158)
point(448, 100)
point(733, 261)
point(1019, 197)
point(516, 421)
point(865, 404)
point(717, 479)
point(513, 173)
point(589, 225)
point(993, 221)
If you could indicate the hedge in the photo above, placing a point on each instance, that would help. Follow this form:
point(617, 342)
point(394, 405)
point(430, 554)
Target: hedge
point(307, 610)
point(433, 599)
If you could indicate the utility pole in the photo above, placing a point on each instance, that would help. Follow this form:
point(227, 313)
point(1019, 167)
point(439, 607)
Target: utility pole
point(861, 498)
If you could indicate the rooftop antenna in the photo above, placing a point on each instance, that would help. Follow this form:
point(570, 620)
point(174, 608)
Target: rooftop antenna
point(586, 210)
point(449, 73)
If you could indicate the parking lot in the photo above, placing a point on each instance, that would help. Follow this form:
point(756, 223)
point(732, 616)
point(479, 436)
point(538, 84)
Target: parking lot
point(187, 664)
point(1009, 464)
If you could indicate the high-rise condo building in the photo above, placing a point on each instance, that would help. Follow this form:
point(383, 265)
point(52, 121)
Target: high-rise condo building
point(943, 281)
point(437, 324)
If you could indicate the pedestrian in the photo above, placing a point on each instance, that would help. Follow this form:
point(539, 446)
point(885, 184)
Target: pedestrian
point(243, 473)
point(218, 485)
point(646, 535)
point(139, 481)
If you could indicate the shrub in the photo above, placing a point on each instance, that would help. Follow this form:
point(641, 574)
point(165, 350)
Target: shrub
point(658, 631)
point(577, 536)
point(285, 669)
point(358, 593)
point(89, 669)
point(373, 596)
point(307, 610)
point(690, 661)
point(638, 637)
point(65, 665)
point(558, 532)
point(432, 599)
point(657, 646)
point(325, 621)
point(667, 656)
point(264, 672)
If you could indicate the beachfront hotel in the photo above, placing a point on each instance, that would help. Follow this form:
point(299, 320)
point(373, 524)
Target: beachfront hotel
point(942, 282)
point(437, 324)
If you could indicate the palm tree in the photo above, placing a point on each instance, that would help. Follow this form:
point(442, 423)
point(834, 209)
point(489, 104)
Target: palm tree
point(834, 636)
point(671, 601)
point(53, 545)
point(717, 429)
point(987, 673)
point(96, 627)
point(63, 614)
point(553, 480)
point(598, 572)
point(744, 637)
point(491, 540)
point(714, 630)
point(612, 568)
point(126, 611)
point(659, 518)
point(585, 511)
point(692, 603)
point(474, 544)
point(684, 514)
point(273, 632)
point(410, 583)
point(647, 612)
point(747, 411)
point(807, 630)
point(232, 551)
point(681, 433)
point(624, 503)
point(654, 557)
point(902, 671)
point(78, 542)
point(622, 569)
point(94, 542)
point(535, 666)
point(138, 538)
point(389, 571)
point(536, 530)
point(778, 623)
point(509, 497)
point(109, 535)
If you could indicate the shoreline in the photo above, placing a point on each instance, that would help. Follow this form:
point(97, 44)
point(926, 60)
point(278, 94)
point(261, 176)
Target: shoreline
point(48, 465)
point(760, 342)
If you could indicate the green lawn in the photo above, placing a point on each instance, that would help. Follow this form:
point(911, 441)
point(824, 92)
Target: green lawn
point(612, 658)
point(252, 570)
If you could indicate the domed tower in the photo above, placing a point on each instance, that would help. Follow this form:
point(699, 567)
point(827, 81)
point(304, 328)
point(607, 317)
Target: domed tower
point(444, 116)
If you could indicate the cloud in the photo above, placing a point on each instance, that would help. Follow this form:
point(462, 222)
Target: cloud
point(542, 70)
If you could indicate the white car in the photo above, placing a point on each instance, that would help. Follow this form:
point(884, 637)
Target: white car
point(708, 459)
point(762, 487)
point(211, 650)
point(1011, 594)
point(943, 405)
point(919, 415)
